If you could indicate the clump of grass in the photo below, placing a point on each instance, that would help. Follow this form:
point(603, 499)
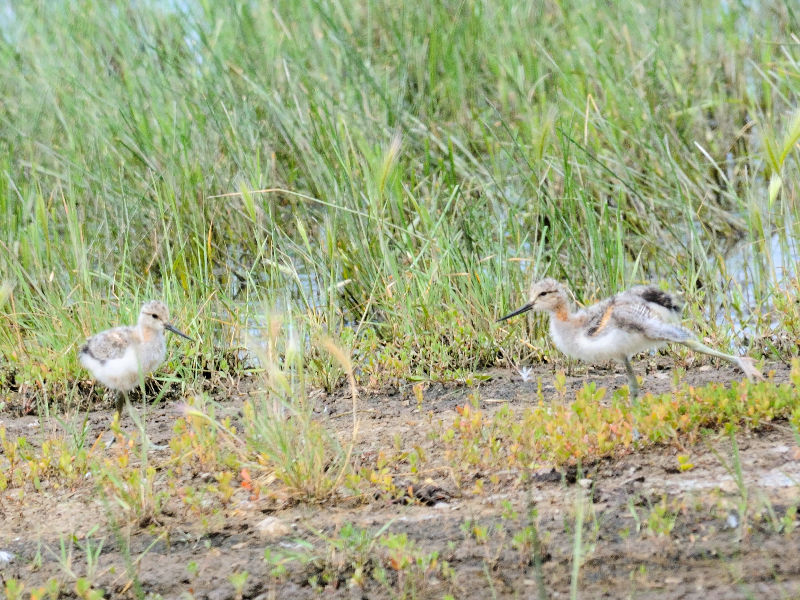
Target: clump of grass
point(282, 438)
point(281, 426)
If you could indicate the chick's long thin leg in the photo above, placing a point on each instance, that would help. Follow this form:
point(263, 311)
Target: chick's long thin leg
point(122, 399)
point(745, 363)
point(633, 383)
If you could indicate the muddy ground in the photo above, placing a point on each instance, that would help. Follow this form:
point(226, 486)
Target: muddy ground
point(650, 530)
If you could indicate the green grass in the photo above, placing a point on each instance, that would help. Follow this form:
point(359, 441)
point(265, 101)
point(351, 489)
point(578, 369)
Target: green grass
point(392, 175)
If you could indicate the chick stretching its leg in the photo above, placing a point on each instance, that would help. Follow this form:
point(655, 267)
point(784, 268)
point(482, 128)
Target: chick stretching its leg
point(618, 327)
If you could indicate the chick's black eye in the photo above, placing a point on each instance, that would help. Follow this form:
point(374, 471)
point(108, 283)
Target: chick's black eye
point(154, 316)
point(544, 293)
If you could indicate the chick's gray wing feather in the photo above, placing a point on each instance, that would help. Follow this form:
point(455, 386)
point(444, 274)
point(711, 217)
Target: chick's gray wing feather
point(108, 345)
point(638, 317)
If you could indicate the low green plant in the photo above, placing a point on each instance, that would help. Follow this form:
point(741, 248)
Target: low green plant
point(238, 580)
point(410, 565)
point(578, 551)
point(784, 524)
point(355, 556)
point(280, 559)
point(13, 589)
point(91, 550)
point(527, 542)
point(201, 443)
point(128, 478)
point(57, 460)
point(85, 590)
point(50, 591)
point(684, 463)
point(479, 532)
point(661, 518)
point(590, 427)
point(734, 469)
point(83, 584)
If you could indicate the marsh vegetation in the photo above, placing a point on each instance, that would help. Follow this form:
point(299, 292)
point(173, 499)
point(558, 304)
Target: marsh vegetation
point(338, 200)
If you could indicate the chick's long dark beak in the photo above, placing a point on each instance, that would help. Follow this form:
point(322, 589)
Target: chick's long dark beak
point(524, 309)
point(169, 327)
